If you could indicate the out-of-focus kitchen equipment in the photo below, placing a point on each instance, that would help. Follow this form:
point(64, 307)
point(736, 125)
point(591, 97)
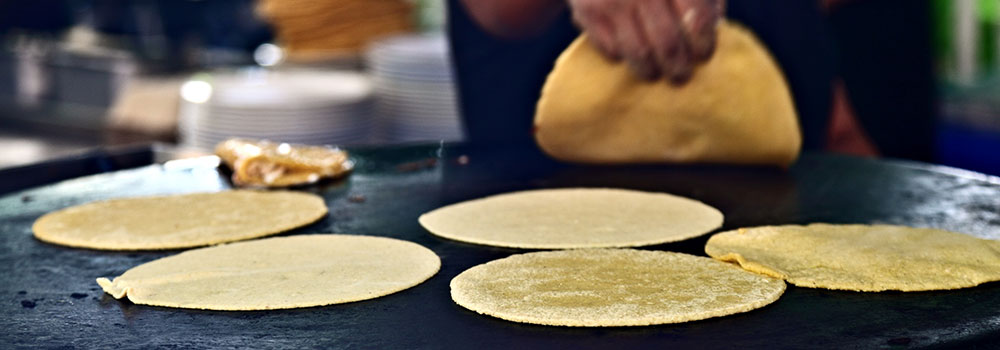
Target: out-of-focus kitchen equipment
point(309, 107)
point(967, 42)
point(312, 30)
point(23, 74)
point(969, 128)
point(415, 88)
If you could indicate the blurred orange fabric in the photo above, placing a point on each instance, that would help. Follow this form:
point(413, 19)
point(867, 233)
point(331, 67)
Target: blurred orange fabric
point(317, 28)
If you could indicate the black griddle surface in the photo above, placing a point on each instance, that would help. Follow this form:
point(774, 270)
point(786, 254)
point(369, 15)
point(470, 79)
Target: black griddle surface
point(50, 299)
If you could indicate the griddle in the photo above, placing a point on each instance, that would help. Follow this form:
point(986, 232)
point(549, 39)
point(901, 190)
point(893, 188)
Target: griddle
point(52, 301)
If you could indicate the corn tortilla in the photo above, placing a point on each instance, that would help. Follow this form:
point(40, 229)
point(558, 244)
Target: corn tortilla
point(262, 163)
point(278, 273)
point(178, 221)
point(868, 258)
point(737, 108)
point(610, 287)
point(573, 218)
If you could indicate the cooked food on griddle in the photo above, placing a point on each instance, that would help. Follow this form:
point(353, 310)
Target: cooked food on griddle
point(573, 218)
point(179, 221)
point(868, 258)
point(611, 287)
point(262, 163)
point(278, 273)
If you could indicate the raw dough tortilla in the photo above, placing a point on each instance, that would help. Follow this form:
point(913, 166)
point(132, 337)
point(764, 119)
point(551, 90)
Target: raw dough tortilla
point(178, 221)
point(610, 287)
point(736, 109)
point(573, 218)
point(868, 258)
point(278, 273)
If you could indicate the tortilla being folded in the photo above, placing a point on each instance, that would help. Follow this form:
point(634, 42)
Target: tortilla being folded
point(736, 109)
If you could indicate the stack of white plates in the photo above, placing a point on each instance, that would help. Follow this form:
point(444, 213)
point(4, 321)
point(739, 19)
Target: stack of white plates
point(414, 88)
point(310, 107)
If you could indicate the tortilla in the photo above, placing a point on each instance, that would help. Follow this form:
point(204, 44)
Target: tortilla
point(867, 258)
point(736, 109)
point(573, 218)
point(610, 287)
point(178, 221)
point(262, 163)
point(278, 273)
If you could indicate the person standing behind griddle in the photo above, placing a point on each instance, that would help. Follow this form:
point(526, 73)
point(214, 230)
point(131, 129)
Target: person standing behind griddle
point(504, 49)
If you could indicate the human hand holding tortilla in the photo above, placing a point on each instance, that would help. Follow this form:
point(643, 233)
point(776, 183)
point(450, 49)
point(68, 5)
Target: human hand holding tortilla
point(736, 109)
point(656, 38)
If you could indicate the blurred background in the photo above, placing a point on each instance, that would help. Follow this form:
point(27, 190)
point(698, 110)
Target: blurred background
point(79, 74)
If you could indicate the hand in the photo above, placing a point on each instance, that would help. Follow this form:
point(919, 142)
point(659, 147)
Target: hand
point(657, 38)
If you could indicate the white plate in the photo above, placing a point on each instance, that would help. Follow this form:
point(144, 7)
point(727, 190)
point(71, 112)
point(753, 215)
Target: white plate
point(278, 89)
point(287, 133)
point(305, 139)
point(415, 73)
point(293, 128)
point(292, 108)
point(278, 119)
point(433, 44)
point(417, 95)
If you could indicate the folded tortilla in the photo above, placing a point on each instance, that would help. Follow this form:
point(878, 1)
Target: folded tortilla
point(736, 109)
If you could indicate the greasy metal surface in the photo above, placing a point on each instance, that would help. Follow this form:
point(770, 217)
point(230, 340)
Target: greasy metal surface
point(95, 161)
point(49, 298)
